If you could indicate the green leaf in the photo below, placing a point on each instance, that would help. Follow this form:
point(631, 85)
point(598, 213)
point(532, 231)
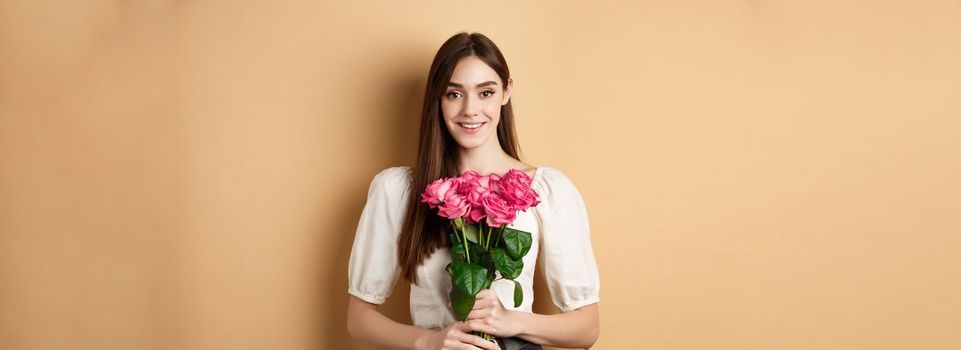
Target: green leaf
point(457, 252)
point(497, 238)
point(488, 262)
point(518, 294)
point(517, 242)
point(508, 267)
point(461, 303)
point(477, 254)
point(483, 257)
point(471, 232)
point(469, 278)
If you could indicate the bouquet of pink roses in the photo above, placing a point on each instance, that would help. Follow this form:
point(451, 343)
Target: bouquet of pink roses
point(479, 209)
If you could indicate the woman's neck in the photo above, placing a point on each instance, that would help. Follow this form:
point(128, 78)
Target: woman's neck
point(489, 159)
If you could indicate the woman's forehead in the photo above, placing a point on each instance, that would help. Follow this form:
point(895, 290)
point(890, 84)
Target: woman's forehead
point(472, 72)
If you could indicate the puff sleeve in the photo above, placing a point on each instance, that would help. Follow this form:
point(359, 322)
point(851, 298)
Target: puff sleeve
point(372, 269)
point(566, 256)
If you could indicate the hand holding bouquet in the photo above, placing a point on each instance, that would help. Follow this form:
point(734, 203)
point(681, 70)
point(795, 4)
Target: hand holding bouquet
point(481, 245)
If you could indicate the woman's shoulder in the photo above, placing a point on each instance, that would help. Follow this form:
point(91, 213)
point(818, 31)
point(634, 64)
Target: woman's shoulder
point(392, 181)
point(557, 193)
point(547, 177)
point(395, 174)
point(553, 185)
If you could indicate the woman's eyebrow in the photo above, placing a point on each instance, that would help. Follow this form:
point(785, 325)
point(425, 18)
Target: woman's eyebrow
point(486, 83)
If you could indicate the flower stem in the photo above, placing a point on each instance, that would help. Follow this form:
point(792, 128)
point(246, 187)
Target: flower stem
point(466, 243)
point(453, 227)
point(480, 233)
point(488, 245)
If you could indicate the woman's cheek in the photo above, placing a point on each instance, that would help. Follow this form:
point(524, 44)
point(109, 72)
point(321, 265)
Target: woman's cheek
point(451, 109)
point(493, 109)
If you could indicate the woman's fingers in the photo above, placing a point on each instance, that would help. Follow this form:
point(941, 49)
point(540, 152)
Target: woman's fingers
point(486, 299)
point(478, 314)
point(483, 304)
point(458, 336)
point(472, 341)
point(481, 326)
point(479, 342)
point(464, 327)
point(486, 294)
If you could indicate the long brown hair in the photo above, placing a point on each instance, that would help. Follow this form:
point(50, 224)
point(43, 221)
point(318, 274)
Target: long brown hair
point(423, 230)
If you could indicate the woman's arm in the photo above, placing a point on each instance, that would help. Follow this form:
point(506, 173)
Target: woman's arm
point(575, 329)
point(366, 323)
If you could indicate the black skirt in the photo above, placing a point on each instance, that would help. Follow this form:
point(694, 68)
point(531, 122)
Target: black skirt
point(515, 343)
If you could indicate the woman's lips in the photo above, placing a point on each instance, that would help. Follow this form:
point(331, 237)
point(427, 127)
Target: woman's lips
point(471, 131)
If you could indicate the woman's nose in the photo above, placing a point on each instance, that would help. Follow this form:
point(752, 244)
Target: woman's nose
point(471, 106)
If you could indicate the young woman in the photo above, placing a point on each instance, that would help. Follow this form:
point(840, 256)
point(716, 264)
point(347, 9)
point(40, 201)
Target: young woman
point(467, 123)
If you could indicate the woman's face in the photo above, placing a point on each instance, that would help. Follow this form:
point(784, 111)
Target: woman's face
point(472, 103)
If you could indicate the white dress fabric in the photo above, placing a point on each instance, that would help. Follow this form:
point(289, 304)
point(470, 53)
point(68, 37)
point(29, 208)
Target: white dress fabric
point(561, 242)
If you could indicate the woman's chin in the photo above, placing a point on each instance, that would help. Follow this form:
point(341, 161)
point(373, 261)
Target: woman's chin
point(469, 145)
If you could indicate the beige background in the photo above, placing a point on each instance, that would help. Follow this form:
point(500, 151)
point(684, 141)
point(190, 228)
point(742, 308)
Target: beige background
point(759, 174)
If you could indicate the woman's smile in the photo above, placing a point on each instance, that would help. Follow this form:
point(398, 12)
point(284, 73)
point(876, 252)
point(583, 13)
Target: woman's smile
point(471, 128)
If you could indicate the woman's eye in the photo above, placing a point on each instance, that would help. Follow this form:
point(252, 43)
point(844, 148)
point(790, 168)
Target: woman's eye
point(487, 93)
point(453, 94)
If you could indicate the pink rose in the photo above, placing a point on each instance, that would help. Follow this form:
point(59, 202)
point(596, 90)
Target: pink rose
point(468, 176)
point(466, 182)
point(498, 212)
point(454, 206)
point(477, 214)
point(478, 187)
point(516, 190)
point(438, 191)
point(495, 183)
point(481, 186)
point(516, 175)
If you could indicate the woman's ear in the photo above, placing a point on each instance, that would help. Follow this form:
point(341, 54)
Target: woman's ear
point(507, 91)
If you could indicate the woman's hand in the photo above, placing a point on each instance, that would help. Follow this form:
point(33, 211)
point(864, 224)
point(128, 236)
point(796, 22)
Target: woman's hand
point(455, 337)
point(490, 316)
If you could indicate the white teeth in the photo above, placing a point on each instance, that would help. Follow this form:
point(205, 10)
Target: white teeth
point(471, 126)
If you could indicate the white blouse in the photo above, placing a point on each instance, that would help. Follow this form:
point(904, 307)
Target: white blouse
point(561, 242)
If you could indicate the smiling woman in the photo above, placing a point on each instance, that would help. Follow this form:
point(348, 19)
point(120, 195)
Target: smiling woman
point(471, 105)
point(467, 124)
